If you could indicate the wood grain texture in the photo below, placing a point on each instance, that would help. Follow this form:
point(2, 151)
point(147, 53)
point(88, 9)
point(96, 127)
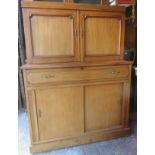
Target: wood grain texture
point(103, 106)
point(55, 5)
point(102, 36)
point(58, 35)
point(87, 98)
point(52, 36)
point(127, 91)
point(61, 112)
point(83, 139)
point(28, 108)
point(27, 33)
point(33, 115)
point(75, 64)
point(78, 74)
point(51, 100)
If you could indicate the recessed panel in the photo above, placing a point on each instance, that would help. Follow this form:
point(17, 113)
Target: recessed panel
point(103, 106)
point(52, 36)
point(102, 36)
point(60, 112)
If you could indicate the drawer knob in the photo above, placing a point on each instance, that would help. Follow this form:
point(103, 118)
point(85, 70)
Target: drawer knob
point(115, 72)
point(48, 76)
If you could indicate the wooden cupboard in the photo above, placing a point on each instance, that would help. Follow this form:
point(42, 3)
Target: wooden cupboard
point(54, 35)
point(77, 83)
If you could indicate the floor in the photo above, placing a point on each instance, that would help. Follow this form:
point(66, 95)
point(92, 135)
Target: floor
point(120, 146)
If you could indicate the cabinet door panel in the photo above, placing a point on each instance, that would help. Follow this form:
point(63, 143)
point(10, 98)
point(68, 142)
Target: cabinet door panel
point(102, 35)
point(60, 112)
point(103, 106)
point(51, 35)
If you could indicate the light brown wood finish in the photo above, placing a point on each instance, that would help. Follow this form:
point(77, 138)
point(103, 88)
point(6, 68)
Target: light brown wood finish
point(72, 6)
point(57, 35)
point(59, 112)
point(84, 139)
point(98, 106)
point(102, 36)
point(33, 115)
point(77, 74)
point(77, 88)
point(51, 35)
point(75, 64)
point(103, 106)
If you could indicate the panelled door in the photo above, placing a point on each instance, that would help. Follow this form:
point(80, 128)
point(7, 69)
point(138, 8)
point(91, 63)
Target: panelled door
point(51, 35)
point(105, 106)
point(59, 112)
point(102, 35)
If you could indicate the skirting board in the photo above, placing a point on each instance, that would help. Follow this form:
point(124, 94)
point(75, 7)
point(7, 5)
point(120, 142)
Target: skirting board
point(87, 138)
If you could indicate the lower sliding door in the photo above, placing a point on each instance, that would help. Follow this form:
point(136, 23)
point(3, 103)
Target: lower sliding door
point(59, 112)
point(104, 107)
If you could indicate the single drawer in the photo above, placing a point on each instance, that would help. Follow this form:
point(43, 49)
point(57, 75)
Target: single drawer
point(77, 74)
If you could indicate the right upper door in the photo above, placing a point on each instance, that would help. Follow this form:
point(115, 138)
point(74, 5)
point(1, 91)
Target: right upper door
point(101, 35)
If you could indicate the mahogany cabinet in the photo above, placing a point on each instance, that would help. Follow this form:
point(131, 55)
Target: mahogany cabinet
point(77, 83)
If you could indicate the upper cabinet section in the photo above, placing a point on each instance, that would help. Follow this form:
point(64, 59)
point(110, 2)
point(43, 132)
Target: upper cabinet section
point(57, 32)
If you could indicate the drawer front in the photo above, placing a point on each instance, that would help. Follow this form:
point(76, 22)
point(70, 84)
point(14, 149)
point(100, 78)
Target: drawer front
point(80, 74)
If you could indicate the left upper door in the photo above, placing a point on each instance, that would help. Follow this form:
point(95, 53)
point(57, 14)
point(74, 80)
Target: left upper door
point(51, 35)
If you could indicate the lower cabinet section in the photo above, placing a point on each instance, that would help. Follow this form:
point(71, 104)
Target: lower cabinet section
point(77, 113)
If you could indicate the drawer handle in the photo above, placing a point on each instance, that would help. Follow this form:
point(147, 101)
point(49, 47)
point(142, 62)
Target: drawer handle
point(48, 77)
point(115, 72)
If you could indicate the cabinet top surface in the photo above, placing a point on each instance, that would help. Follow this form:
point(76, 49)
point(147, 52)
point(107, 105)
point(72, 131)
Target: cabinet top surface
point(72, 6)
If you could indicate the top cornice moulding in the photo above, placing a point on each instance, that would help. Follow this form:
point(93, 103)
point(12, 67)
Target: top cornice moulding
point(72, 6)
